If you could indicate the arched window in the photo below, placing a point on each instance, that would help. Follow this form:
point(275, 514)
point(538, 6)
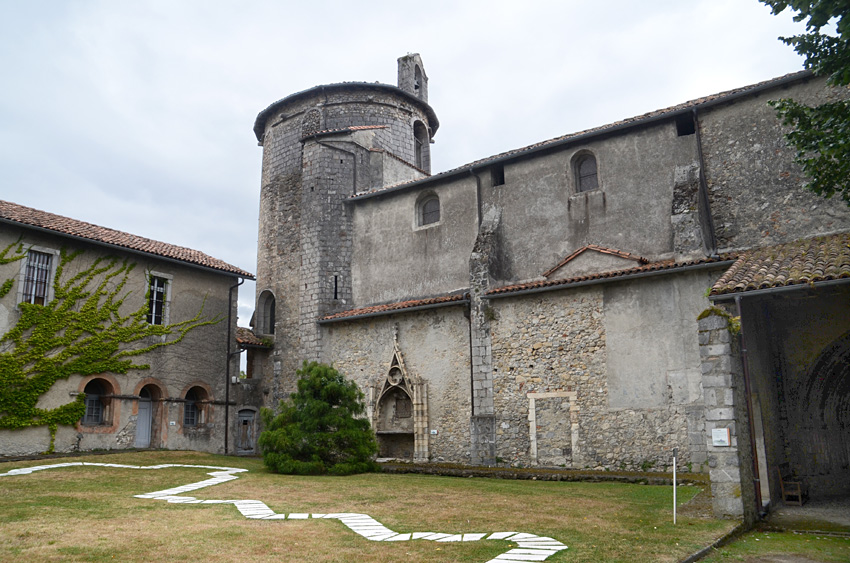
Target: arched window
point(195, 407)
point(429, 210)
point(265, 313)
point(421, 148)
point(98, 394)
point(587, 178)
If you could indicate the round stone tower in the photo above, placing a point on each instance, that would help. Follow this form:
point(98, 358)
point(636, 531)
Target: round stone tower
point(320, 147)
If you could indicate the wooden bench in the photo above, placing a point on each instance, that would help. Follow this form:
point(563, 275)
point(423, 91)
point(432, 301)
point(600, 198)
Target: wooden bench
point(791, 487)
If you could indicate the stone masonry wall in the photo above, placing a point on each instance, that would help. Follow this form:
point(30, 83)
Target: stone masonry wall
point(435, 347)
point(552, 347)
point(729, 466)
point(755, 188)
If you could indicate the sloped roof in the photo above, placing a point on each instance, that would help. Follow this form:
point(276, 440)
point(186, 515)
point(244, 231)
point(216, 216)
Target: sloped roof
point(29, 217)
point(260, 122)
point(246, 338)
point(392, 307)
point(595, 248)
point(639, 271)
point(803, 262)
point(646, 118)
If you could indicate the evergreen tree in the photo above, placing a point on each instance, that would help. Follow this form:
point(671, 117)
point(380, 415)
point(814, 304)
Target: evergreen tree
point(320, 428)
point(821, 134)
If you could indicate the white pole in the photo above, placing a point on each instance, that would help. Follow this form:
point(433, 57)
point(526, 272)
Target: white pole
point(675, 455)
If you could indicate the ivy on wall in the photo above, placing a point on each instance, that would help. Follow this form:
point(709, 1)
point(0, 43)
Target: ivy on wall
point(80, 332)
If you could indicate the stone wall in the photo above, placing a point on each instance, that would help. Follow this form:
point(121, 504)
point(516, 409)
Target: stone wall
point(434, 345)
point(551, 363)
point(730, 466)
point(755, 188)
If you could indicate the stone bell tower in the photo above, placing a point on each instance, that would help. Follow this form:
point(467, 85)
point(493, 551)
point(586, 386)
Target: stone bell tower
point(320, 147)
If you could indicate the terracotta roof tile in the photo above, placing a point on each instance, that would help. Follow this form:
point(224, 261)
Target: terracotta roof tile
point(651, 267)
point(801, 262)
point(600, 249)
point(28, 216)
point(713, 98)
point(389, 307)
point(246, 337)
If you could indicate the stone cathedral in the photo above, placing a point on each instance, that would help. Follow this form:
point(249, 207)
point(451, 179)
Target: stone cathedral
point(577, 303)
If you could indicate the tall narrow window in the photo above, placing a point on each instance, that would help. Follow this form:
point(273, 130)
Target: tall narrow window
point(586, 174)
point(157, 300)
point(421, 153)
point(190, 409)
point(36, 278)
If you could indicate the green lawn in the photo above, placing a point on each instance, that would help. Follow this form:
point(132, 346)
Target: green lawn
point(89, 513)
point(762, 544)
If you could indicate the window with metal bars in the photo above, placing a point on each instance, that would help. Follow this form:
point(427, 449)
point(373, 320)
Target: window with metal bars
point(157, 300)
point(37, 278)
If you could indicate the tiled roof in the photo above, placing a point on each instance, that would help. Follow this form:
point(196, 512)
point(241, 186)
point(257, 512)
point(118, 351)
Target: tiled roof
point(639, 270)
point(391, 307)
point(631, 121)
point(601, 249)
point(260, 122)
point(27, 216)
point(246, 337)
point(795, 263)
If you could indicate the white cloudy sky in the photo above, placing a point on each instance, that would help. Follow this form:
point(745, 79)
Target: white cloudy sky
point(137, 114)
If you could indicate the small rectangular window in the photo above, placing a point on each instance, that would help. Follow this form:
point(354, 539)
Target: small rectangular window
point(157, 300)
point(497, 174)
point(37, 278)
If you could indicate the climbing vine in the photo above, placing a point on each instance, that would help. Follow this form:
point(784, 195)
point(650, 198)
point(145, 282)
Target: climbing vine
point(81, 331)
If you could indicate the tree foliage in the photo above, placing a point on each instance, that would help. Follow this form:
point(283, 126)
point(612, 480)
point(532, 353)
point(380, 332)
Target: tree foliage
point(81, 331)
point(320, 428)
point(820, 134)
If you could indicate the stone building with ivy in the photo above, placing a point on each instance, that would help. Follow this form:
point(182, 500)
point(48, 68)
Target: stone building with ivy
point(82, 308)
point(577, 303)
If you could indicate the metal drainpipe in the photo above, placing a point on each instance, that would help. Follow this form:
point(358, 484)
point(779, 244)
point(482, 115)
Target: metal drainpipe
point(227, 362)
point(748, 391)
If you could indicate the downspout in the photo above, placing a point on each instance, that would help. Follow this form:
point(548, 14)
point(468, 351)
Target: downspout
point(751, 424)
point(706, 220)
point(471, 366)
point(227, 362)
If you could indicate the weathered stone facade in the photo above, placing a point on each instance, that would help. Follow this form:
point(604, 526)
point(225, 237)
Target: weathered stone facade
point(542, 318)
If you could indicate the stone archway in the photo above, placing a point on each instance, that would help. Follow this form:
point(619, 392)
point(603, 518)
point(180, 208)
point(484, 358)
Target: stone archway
point(823, 433)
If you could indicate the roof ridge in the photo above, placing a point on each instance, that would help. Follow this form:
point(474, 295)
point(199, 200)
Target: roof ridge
point(596, 248)
point(31, 217)
point(634, 120)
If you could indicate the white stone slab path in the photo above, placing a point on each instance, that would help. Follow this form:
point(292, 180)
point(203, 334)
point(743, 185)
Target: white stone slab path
point(530, 547)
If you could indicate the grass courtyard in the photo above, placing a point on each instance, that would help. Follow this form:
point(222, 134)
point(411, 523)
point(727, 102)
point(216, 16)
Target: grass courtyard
point(89, 513)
